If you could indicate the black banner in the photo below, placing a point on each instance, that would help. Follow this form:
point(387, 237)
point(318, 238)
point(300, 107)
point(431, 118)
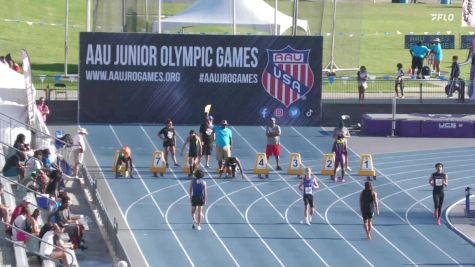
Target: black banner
point(466, 41)
point(147, 78)
point(446, 41)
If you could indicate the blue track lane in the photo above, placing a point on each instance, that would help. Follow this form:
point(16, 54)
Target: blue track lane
point(257, 222)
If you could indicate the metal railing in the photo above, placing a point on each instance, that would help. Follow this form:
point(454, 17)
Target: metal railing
point(25, 188)
point(39, 139)
point(72, 257)
point(111, 227)
point(420, 90)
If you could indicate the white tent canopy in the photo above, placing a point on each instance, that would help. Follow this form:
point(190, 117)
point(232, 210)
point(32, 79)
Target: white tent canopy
point(14, 111)
point(249, 13)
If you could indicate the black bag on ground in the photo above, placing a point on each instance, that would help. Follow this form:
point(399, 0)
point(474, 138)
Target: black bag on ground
point(425, 71)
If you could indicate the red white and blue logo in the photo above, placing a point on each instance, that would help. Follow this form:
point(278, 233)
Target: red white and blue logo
point(288, 76)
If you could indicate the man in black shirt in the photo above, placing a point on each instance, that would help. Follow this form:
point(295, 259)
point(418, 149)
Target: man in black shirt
point(438, 180)
point(207, 138)
point(167, 134)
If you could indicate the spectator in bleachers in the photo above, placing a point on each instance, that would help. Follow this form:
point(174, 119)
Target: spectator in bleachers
point(33, 164)
point(48, 162)
point(50, 238)
point(4, 210)
point(20, 207)
point(56, 184)
point(2, 60)
point(79, 147)
point(43, 108)
point(19, 223)
point(33, 244)
point(71, 223)
point(21, 145)
point(14, 166)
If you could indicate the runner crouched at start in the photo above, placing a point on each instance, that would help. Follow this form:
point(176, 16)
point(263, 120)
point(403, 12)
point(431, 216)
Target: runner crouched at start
point(229, 167)
point(124, 165)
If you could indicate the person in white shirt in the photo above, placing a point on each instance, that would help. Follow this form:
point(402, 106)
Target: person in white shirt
point(19, 223)
point(51, 238)
point(79, 147)
point(33, 164)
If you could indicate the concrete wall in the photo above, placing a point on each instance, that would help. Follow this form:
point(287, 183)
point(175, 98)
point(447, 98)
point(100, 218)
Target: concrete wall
point(65, 112)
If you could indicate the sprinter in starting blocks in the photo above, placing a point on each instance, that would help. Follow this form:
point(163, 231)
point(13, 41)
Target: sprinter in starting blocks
point(367, 167)
point(261, 166)
point(158, 165)
point(122, 165)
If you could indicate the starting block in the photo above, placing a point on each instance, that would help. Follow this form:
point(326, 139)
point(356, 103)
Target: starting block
point(186, 165)
point(158, 165)
point(261, 165)
point(328, 164)
point(114, 163)
point(295, 165)
point(367, 167)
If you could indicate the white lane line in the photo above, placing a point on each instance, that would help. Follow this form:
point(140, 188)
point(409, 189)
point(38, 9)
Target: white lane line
point(451, 225)
point(299, 194)
point(437, 156)
point(427, 161)
point(416, 153)
point(158, 207)
point(420, 233)
point(118, 206)
point(416, 200)
point(254, 229)
point(209, 224)
point(420, 186)
point(351, 208)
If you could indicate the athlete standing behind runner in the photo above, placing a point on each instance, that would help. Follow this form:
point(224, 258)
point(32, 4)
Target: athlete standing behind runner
point(339, 148)
point(167, 134)
point(194, 151)
point(307, 185)
point(438, 180)
point(368, 204)
point(198, 195)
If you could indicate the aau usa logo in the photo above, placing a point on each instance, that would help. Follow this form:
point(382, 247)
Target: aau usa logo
point(287, 76)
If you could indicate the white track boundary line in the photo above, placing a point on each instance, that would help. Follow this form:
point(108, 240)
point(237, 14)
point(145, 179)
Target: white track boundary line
point(299, 194)
point(471, 154)
point(351, 208)
point(452, 226)
point(118, 207)
point(411, 153)
point(157, 206)
point(416, 200)
point(209, 224)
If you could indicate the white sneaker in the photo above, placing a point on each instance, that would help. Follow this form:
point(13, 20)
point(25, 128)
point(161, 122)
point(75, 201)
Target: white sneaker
point(311, 219)
point(198, 227)
point(307, 221)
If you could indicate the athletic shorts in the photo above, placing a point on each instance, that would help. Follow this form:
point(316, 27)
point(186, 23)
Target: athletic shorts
point(308, 200)
point(78, 157)
point(207, 148)
point(168, 144)
point(273, 150)
point(223, 153)
point(197, 201)
point(417, 62)
point(367, 216)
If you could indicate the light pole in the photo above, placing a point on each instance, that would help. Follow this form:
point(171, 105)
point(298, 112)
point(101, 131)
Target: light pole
point(66, 37)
